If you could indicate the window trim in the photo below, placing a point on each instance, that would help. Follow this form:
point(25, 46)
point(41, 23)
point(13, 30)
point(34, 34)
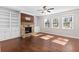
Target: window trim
point(63, 21)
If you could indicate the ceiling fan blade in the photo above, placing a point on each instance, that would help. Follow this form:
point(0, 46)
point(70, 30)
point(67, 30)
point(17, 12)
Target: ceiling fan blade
point(48, 11)
point(44, 6)
point(51, 9)
point(42, 12)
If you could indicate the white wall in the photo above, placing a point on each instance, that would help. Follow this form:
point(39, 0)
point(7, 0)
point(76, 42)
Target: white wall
point(74, 33)
point(36, 24)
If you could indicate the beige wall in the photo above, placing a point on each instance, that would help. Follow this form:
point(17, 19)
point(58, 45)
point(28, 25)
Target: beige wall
point(74, 33)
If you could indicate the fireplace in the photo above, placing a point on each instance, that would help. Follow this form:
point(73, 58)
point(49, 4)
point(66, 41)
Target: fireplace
point(28, 29)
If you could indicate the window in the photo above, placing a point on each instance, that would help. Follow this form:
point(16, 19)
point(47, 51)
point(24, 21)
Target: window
point(47, 23)
point(55, 23)
point(9, 23)
point(67, 22)
point(15, 23)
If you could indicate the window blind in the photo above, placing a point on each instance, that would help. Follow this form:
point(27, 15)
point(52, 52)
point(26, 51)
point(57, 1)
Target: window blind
point(9, 23)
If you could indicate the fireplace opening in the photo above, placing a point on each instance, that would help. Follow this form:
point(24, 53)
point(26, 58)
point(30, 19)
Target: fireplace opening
point(28, 29)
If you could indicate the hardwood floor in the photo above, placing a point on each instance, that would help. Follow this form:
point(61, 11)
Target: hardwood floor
point(34, 44)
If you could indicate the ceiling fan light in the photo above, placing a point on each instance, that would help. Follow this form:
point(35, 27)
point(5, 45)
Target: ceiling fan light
point(45, 13)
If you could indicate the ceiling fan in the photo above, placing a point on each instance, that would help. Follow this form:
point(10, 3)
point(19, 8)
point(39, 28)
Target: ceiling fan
point(45, 9)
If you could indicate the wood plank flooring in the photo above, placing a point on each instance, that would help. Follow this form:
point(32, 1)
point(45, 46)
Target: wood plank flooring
point(35, 44)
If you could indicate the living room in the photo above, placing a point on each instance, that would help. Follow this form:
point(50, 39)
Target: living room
point(39, 29)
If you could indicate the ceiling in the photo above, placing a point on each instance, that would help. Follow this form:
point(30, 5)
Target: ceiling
point(33, 9)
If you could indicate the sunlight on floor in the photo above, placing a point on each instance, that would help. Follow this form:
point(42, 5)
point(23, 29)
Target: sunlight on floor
point(61, 41)
point(37, 34)
point(46, 37)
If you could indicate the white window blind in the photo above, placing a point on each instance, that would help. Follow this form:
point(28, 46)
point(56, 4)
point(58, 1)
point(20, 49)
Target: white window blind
point(4, 19)
point(9, 24)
